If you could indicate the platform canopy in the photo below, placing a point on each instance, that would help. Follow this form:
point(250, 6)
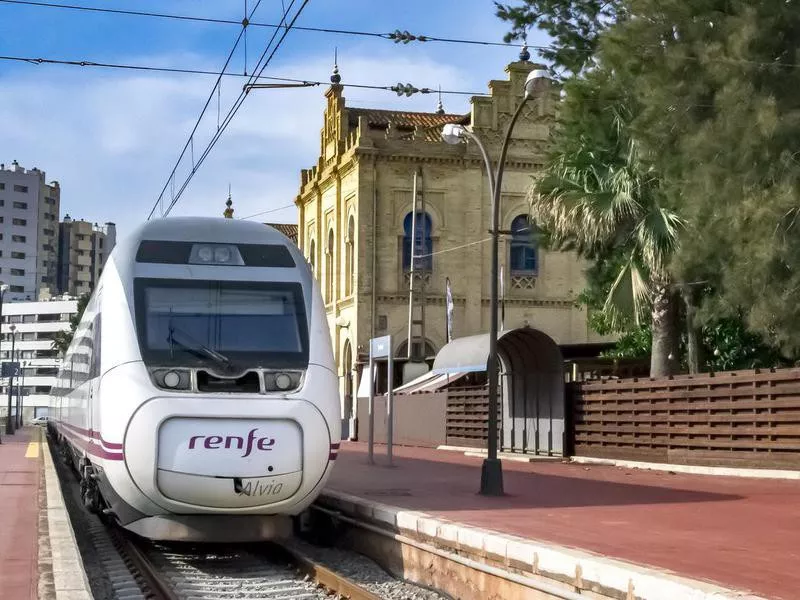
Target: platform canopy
point(518, 346)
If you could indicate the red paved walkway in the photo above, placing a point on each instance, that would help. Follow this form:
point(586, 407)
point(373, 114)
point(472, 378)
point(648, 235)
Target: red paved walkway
point(740, 533)
point(19, 515)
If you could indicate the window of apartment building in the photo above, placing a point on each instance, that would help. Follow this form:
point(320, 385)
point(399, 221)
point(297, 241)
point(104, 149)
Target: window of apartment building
point(45, 279)
point(27, 336)
point(2, 219)
point(14, 319)
point(2, 186)
point(21, 188)
point(47, 354)
point(47, 247)
point(22, 205)
point(19, 238)
point(50, 200)
point(20, 222)
point(17, 255)
point(100, 243)
point(29, 319)
point(18, 289)
point(50, 216)
point(2, 202)
point(19, 272)
point(53, 318)
point(48, 232)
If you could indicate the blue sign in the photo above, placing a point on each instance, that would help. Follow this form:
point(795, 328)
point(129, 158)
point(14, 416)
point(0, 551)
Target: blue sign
point(380, 347)
point(10, 369)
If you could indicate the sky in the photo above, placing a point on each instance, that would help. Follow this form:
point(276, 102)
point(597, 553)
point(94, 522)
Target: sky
point(111, 137)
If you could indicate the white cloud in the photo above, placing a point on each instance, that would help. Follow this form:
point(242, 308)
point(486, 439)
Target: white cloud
point(111, 137)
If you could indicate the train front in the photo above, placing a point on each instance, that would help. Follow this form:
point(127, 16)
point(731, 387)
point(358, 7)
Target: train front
point(244, 420)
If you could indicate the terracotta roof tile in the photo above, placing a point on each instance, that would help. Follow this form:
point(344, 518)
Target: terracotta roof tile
point(429, 122)
point(287, 229)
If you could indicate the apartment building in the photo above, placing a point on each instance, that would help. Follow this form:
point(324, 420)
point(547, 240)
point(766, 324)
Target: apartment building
point(35, 325)
point(29, 212)
point(82, 253)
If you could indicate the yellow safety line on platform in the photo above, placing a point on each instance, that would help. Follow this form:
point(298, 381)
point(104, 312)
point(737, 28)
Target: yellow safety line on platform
point(33, 450)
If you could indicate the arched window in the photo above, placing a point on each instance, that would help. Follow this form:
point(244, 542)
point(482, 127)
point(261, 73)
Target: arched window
point(347, 365)
point(423, 242)
point(430, 349)
point(312, 256)
point(349, 258)
point(329, 268)
point(524, 254)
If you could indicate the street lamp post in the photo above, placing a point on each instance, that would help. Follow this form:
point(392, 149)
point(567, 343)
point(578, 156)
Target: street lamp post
point(492, 470)
point(9, 421)
point(21, 395)
point(3, 290)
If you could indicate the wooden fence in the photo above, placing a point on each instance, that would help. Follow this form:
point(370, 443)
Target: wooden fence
point(467, 417)
point(742, 418)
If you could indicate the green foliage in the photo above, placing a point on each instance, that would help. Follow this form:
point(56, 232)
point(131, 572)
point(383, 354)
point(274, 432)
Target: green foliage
point(636, 342)
point(706, 95)
point(574, 26)
point(63, 339)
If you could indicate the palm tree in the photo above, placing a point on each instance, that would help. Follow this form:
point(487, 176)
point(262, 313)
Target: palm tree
point(603, 199)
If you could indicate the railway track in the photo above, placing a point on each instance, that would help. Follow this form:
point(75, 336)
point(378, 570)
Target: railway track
point(194, 572)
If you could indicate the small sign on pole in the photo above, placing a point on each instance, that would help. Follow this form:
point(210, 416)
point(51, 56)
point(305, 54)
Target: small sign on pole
point(9, 369)
point(380, 348)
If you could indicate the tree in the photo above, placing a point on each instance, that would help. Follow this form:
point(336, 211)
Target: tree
point(63, 339)
point(716, 91)
point(601, 196)
point(573, 25)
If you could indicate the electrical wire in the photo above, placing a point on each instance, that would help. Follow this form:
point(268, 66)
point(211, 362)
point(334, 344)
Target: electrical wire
point(205, 106)
point(181, 70)
point(271, 210)
point(242, 95)
point(454, 248)
point(138, 13)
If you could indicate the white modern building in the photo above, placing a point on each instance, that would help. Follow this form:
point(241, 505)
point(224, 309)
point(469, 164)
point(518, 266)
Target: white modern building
point(29, 214)
point(34, 327)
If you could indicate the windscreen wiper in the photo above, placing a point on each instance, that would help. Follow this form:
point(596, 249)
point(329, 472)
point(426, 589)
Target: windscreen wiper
point(194, 346)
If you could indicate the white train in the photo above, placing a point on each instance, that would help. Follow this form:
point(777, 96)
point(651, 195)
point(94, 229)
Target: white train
point(199, 396)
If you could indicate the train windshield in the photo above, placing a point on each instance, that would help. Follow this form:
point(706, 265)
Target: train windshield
point(205, 323)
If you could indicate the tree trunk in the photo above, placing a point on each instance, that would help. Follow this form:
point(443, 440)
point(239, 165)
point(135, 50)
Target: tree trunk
point(693, 348)
point(662, 353)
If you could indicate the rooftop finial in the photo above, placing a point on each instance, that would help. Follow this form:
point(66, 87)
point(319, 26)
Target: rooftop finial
point(439, 105)
point(228, 212)
point(524, 55)
point(335, 77)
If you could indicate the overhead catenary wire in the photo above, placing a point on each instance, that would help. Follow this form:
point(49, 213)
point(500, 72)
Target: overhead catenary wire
point(203, 112)
point(242, 95)
point(188, 71)
point(190, 18)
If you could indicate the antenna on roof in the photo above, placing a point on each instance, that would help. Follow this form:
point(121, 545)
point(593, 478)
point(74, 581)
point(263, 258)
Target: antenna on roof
point(228, 212)
point(524, 55)
point(335, 77)
point(439, 105)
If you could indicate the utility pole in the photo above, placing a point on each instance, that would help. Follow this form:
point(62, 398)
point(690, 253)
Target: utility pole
point(9, 421)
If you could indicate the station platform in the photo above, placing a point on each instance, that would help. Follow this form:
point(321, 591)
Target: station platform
point(39, 558)
point(20, 483)
point(675, 535)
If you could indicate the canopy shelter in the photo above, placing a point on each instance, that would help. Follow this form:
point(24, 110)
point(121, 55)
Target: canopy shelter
point(531, 385)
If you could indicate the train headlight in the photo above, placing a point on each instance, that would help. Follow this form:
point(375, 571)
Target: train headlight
point(283, 381)
point(172, 379)
point(215, 254)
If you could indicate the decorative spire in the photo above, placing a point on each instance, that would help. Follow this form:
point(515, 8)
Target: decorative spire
point(335, 77)
point(524, 55)
point(439, 105)
point(228, 212)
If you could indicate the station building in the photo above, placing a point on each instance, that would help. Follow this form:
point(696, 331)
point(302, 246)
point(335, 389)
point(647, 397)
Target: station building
point(355, 227)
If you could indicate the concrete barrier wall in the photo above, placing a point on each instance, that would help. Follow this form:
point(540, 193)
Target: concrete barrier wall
point(419, 419)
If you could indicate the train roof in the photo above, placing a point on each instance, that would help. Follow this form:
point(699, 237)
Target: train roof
point(203, 229)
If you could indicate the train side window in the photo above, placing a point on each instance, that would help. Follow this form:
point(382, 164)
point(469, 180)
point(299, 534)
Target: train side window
point(94, 371)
